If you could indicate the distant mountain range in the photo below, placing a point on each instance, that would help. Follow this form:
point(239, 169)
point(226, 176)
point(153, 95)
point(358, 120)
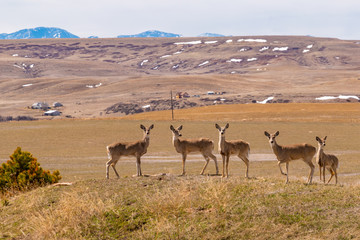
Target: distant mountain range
point(51, 32)
point(151, 33)
point(39, 32)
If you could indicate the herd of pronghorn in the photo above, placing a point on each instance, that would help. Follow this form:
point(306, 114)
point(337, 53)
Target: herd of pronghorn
point(205, 146)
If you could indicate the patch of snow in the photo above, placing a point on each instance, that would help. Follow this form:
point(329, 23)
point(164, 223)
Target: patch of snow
point(178, 52)
point(234, 60)
point(175, 66)
point(155, 68)
point(190, 43)
point(251, 59)
point(146, 106)
point(263, 49)
point(339, 97)
point(32, 65)
point(27, 85)
point(204, 63)
point(310, 46)
point(229, 41)
point(15, 55)
point(252, 40)
point(210, 42)
point(165, 56)
point(281, 49)
point(233, 72)
point(93, 86)
point(143, 62)
point(243, 50)
point(265, 101)
point(306, 50)
point(337, 58)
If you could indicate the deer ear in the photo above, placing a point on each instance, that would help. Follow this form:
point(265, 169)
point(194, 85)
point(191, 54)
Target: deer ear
point(142, 127)
point(172, 128)
point(227, 126)
point(151, 127)
point(217, 126)
point(179, 128)
point(267, 134)
point(277, 133)
point(318, 139)
point(325, 137)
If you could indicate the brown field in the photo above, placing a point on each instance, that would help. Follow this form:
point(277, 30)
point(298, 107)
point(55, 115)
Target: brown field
point(77, 147)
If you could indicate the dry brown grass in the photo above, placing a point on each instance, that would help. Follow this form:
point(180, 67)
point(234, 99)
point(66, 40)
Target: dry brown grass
point(193, 207)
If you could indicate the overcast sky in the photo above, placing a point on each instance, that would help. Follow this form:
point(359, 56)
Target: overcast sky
point(110, 18)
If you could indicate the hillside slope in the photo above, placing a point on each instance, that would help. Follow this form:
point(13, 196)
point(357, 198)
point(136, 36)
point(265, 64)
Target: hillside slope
point(90, 76)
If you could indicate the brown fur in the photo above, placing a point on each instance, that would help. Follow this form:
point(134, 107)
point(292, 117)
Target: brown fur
point(234, 147)
point(185, 146)
point(285, 154)
point(328, 161)
point(137, 149)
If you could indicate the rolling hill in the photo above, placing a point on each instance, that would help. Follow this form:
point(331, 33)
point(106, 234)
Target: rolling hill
point(107, 77)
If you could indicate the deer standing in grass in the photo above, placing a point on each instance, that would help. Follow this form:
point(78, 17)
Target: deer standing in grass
point(185, 146)
point(228, 148)
point(285, 154)
point(329, 161)
point(137, 149)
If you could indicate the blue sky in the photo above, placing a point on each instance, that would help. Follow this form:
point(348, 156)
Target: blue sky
point(109, 18)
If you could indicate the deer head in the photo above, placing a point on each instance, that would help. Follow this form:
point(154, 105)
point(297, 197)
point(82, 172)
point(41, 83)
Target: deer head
point(321, 141)
point(272, 137)
point(146, 130)
point(222, 130)
point(176, 132)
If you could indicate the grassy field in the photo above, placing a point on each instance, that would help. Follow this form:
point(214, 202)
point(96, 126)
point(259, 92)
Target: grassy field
point(191, 207)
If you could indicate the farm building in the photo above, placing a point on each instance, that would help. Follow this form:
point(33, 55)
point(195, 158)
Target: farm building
point(40, 105)
point(182, 95)
point(52, 113)
point(57, 104)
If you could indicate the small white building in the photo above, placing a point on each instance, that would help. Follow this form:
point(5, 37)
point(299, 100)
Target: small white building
point(52, 113)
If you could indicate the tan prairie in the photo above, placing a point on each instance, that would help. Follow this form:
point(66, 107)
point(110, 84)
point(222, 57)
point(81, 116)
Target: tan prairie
point(78, 147)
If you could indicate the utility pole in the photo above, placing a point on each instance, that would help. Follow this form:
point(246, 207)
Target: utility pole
point(172, 105)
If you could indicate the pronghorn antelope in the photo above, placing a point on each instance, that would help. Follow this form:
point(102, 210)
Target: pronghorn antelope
point(185, 146)
point(228, 148)
point(137, 149)
point(329, 161)
point(285, 154)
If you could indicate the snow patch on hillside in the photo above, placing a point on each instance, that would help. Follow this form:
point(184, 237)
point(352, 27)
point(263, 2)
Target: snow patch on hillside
point(339, 97)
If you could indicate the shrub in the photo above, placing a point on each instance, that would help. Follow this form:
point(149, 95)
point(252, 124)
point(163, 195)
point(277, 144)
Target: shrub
point(23, 172)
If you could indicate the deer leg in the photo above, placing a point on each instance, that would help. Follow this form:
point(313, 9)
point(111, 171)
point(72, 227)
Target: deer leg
point(113, 166)
point(312, 167)
point(320, 168)
point(138, 166)
point(323, 170)
point(223, 158)
point(287, 172)
point(227, 165)
point(246, 161)
point(183, 164)
point(335, 176)
point(216, 164)
point(206, 163)
point(332, 174)
point(281, 169)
